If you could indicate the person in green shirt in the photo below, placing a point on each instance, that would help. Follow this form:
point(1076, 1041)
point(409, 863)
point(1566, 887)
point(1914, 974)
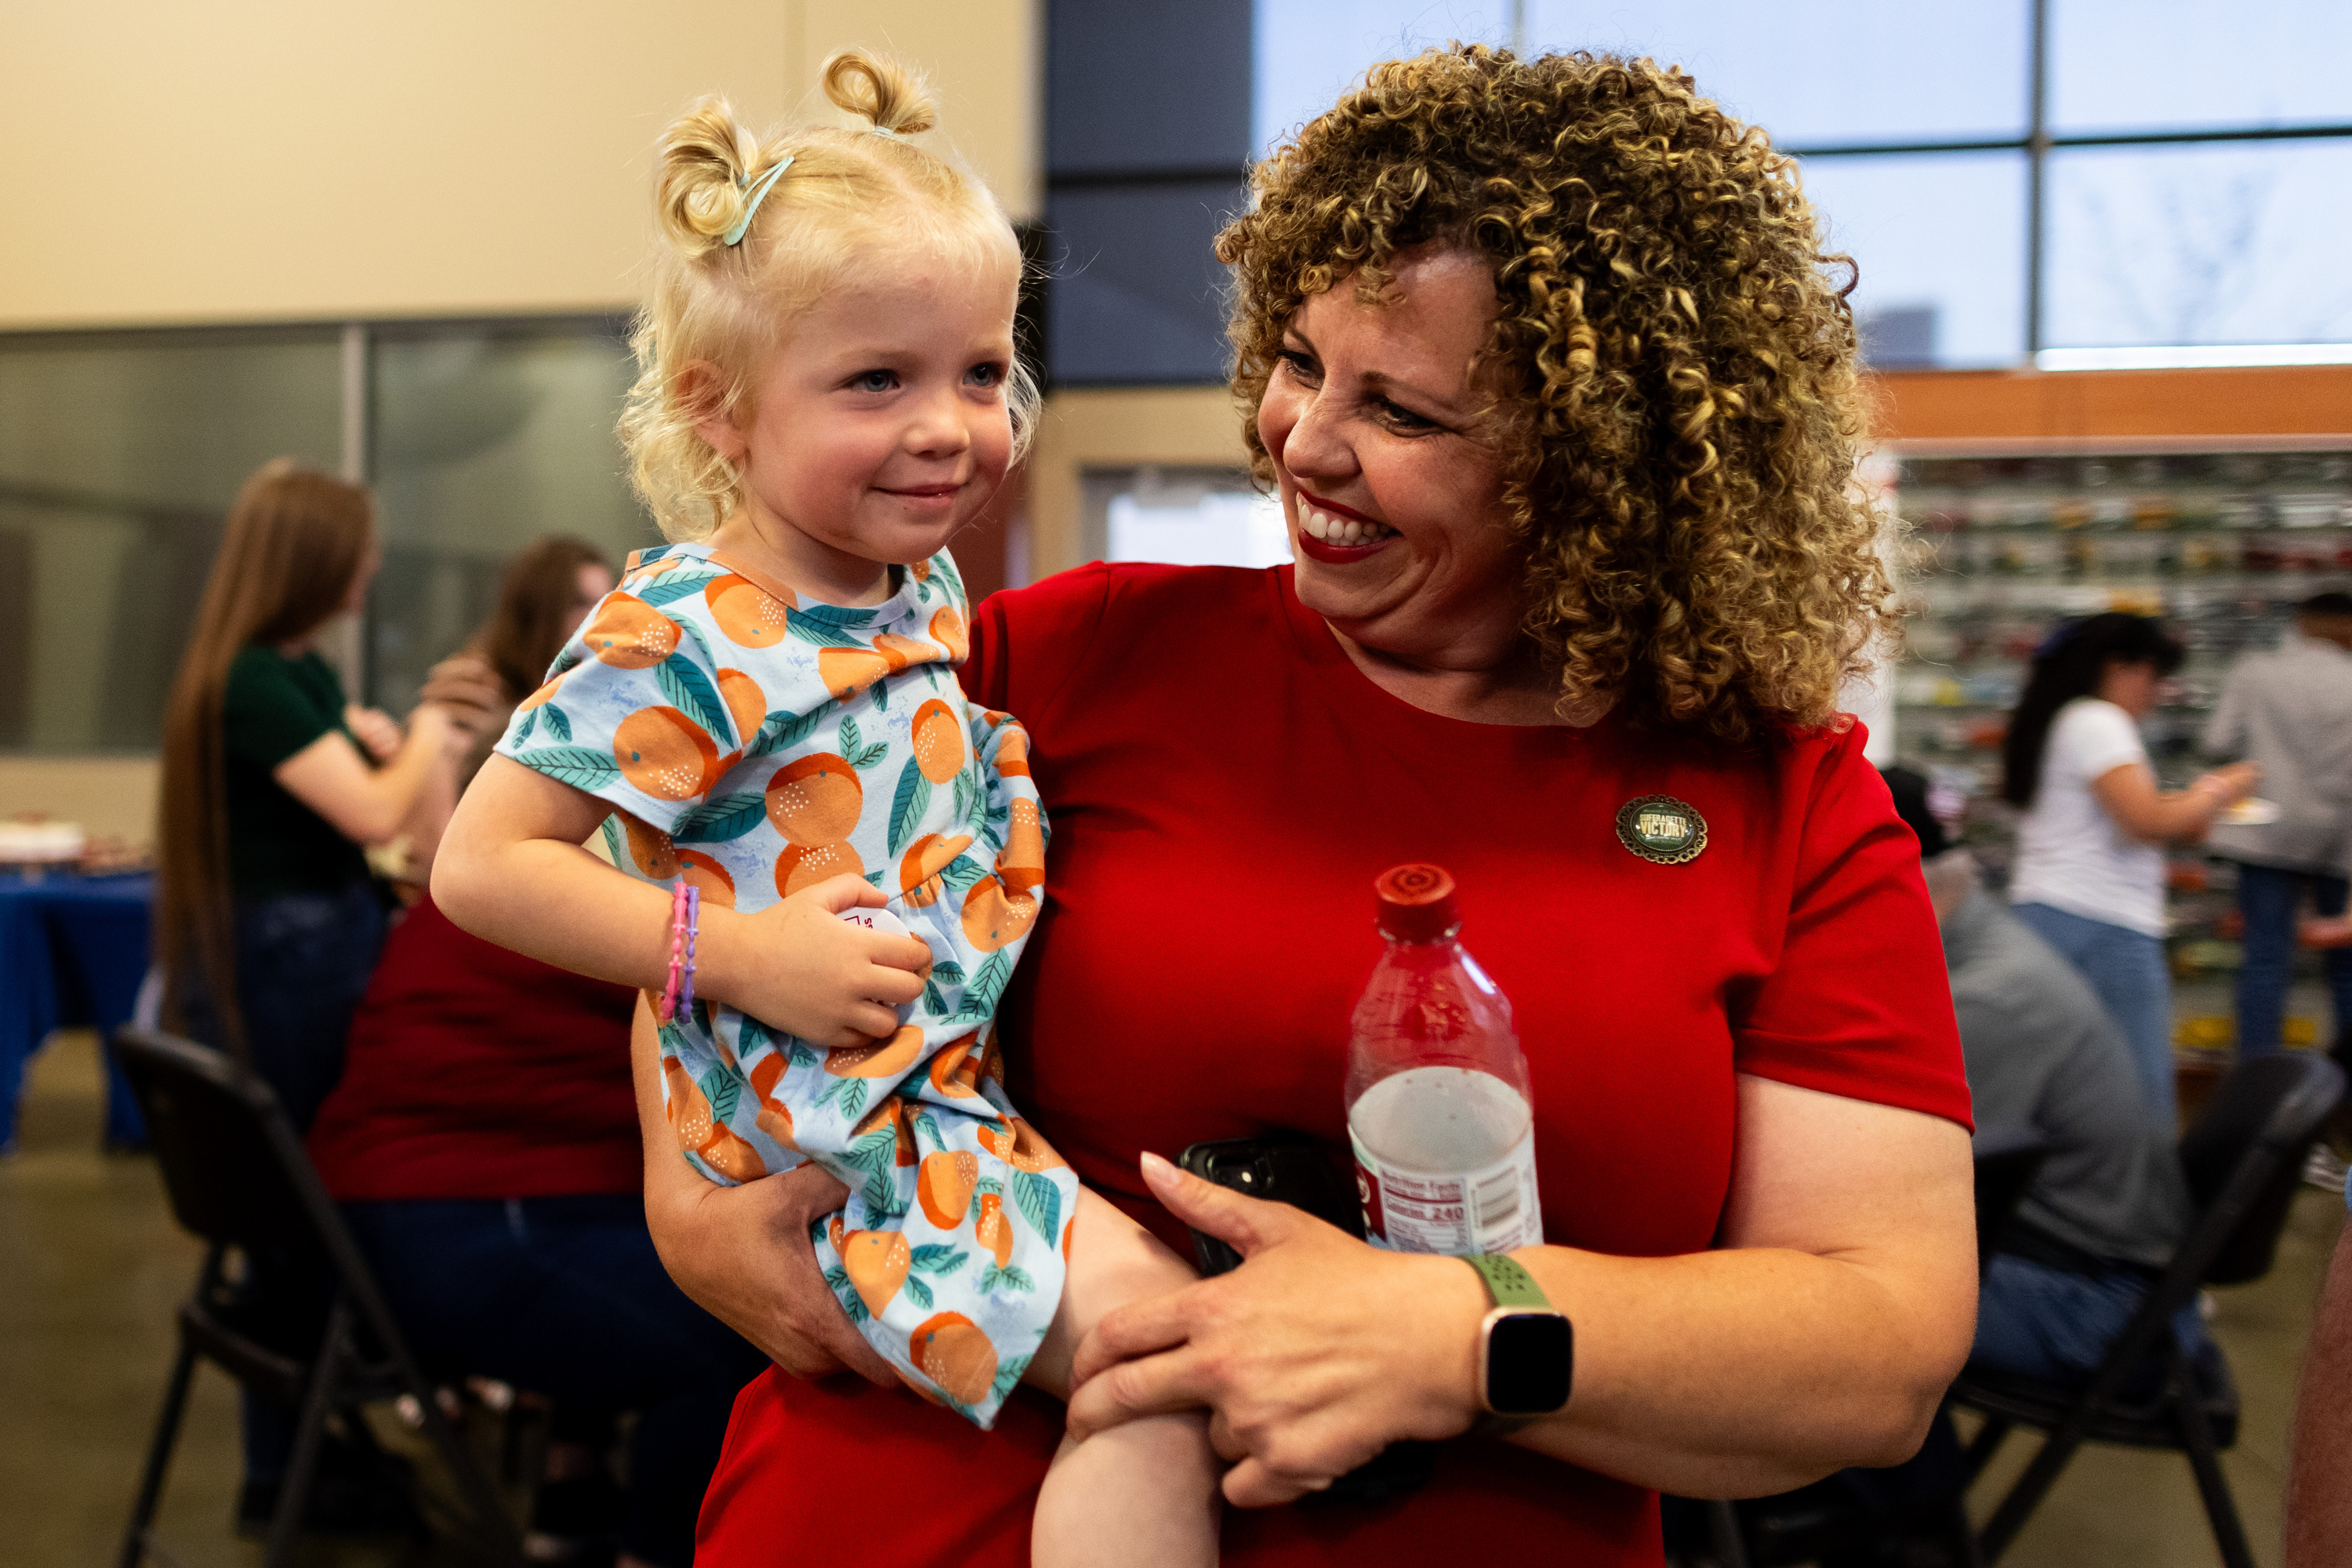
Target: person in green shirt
point(266, 921)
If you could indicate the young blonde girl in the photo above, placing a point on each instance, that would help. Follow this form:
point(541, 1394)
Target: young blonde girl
point(764, 713)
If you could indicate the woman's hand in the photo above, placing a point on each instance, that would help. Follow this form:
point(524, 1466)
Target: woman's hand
point(743, 1253)
point(471, 692)
point(2127, 792)
point(377, 732)
point(1313, 1356)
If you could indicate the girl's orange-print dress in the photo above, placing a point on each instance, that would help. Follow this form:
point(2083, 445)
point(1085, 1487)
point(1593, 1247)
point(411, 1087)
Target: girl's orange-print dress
point(754, 744)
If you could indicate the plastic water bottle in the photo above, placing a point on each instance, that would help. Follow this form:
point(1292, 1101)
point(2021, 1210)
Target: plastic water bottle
point(1437, 1088)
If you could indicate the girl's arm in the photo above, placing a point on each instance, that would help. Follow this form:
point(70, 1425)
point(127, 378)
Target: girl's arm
point(367, 805)
point(2129, 794)
point(1820, 1334)
point(511, 869)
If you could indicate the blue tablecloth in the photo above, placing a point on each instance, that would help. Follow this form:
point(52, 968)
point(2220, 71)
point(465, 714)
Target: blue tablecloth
point(73, 951)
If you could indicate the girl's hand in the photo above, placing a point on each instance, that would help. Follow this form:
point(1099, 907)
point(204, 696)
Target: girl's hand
point(798, 967)
point(377, 732)
point(1313, 1355)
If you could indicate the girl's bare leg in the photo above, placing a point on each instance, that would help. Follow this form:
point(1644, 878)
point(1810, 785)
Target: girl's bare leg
point(1145, 1493)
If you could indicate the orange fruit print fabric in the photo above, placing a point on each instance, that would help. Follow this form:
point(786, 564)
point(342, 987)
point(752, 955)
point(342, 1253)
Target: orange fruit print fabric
point(755, 744)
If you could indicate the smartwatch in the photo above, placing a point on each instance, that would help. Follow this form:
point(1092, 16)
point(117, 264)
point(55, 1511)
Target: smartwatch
point(1527, 1349)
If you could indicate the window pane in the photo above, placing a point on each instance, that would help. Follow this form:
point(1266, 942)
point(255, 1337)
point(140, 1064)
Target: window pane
point(2200, 245)
point(485, 440)
point(1940, 242)
point(119, 458)
point(1138, 295)
point(2117, 64)
point(1308, 52)
point(1811, 71)
point(1147, 87)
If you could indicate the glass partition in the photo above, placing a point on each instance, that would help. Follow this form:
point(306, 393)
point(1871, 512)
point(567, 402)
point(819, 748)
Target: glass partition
point(485, 437)
point(120, 455)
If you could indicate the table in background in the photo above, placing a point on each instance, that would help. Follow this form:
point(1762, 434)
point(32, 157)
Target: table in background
point(73, 953)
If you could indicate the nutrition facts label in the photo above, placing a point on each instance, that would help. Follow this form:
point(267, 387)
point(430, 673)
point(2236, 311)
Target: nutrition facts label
point(1493, 1209)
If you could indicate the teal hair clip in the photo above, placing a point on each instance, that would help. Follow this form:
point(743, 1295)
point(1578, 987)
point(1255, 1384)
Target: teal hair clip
point(753, 197)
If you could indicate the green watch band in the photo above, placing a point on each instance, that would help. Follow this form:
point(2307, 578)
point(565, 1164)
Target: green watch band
point(1506, 1283)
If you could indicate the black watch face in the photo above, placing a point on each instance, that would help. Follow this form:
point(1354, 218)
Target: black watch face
point(1528, 1359)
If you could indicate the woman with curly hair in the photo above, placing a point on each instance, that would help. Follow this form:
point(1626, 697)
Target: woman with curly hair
point(1543, 360)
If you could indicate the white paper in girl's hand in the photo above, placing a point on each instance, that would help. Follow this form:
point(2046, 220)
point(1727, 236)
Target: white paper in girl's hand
point(882, 921)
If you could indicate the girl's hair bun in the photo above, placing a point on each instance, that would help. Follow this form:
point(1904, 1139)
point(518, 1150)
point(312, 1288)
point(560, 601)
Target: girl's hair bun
point(707, 161)
point(881, 90)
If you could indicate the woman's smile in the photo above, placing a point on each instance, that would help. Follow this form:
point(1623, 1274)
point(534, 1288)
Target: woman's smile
point(1336, 535)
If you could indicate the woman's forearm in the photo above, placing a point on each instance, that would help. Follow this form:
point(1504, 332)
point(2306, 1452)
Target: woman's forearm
point(2129, 795)
point(366, 806)
point(1744, 1372)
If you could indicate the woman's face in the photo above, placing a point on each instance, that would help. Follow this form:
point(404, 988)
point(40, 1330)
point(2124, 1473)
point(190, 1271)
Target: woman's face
point(589, 584)
point(2131, 686)
point(1392, 493)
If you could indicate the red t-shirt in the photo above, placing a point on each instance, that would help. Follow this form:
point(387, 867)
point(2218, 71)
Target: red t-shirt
point(474, 1072)
point(1223, 786)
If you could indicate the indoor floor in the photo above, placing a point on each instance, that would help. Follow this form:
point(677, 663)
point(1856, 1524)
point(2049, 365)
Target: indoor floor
point(91, 1268)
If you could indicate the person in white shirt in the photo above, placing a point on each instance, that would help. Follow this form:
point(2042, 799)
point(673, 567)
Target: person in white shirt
point(2089, 878)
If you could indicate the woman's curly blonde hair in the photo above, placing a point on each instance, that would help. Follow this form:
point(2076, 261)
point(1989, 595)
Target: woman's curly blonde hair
point(720, 308)
point(1674, 392)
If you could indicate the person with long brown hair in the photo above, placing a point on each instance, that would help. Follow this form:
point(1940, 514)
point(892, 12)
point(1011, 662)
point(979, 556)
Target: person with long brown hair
point(266, 921)
point(546, 590)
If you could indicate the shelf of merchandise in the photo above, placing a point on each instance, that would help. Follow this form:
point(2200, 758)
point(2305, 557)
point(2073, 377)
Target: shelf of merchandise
point(2221, 539)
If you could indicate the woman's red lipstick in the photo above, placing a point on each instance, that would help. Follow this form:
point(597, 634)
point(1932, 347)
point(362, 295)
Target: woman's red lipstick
point(1326, 551)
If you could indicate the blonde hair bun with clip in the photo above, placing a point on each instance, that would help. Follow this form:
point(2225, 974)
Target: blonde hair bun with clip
point(709, 162)
point(884, 91)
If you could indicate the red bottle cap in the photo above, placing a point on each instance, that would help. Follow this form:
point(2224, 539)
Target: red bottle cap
point(1416, 903)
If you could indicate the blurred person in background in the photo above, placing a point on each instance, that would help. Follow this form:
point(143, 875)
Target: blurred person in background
point(2289, 711)
point(547, 588)
point(2102, 1218)
point(267, 920)
point(484, 1147)
point(2089, 878)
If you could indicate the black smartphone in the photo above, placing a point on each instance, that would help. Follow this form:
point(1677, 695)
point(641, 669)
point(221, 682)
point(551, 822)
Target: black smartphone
point(1289, 1169)
point(1283, 1169)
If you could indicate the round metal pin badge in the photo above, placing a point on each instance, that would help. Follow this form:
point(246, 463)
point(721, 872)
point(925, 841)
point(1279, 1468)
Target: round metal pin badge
point(1661, 829)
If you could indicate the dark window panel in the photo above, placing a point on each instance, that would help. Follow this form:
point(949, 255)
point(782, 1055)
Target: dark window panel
point(1147, 84)
point(1138, 295)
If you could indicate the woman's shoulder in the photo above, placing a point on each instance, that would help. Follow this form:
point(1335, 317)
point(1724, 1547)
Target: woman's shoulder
point(1027, 643)
point(1124, 590)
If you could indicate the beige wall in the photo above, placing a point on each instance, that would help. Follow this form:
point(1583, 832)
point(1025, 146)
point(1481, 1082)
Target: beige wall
point(276, 160)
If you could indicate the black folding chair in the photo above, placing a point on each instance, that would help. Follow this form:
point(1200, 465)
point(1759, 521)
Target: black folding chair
point(1835, 1514)
point(236, 1176)
point(2243, 1159)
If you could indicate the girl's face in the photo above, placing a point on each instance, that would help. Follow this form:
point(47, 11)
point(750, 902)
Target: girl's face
point(879, 427)
point(1392, 493)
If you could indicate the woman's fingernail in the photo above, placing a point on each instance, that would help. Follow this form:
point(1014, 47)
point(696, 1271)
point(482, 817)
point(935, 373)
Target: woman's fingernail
point(1158, 1173)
